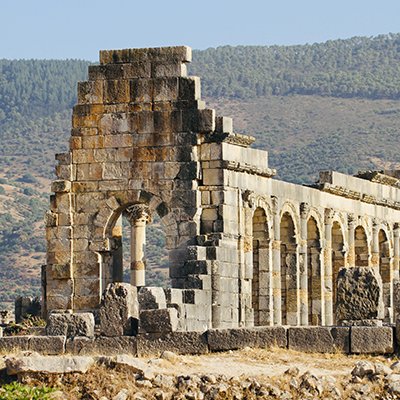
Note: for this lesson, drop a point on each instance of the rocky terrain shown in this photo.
(245, 374)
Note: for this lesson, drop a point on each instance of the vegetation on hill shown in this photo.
(357, 67)
(333, 105)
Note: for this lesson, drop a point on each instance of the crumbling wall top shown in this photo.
(159, 54)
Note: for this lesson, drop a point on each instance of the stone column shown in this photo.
(139, 216)
(351, 257)
(303, 265)
(276, 265)
(374, 259)
(117, 255)
(396, 251)
(327, 289)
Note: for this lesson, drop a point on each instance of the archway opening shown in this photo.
(361, 247)
(149, 253)
(314, 273)
(337, 259)
(289, 284)
(385, 271)
(261, 282)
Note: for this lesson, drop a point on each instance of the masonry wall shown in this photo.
(244, 247)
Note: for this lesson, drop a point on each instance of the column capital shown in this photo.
(329, 214)
(304, 210)
(351, 220)
(138, 212)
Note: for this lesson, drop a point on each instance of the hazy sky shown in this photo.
(79, 28)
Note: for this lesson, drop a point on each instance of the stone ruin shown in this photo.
(245, 249)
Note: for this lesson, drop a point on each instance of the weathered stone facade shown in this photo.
(245, 249)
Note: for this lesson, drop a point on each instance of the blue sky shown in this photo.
(79, 28)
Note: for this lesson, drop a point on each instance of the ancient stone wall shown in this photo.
(244, 248)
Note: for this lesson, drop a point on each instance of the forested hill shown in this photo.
(356, 67)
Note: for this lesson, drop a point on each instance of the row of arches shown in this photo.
(301, 278)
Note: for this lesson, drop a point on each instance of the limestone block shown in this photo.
(160, 54)
(224, 125)
(59, 271)
(47, 344)
(171, 69)
(61, 186)
(158, 321)
(48, 364)
(90, 92)
(178, 342)
(116, 91)
(238, 338)
(359, 294)
(119, 310)
(102, 345)
(70, 325)
(396, 297)
(372, 340)
(319, 339)
(165, 89)
(151, 298)
(141, 90)
(189, 88)
(14, 344)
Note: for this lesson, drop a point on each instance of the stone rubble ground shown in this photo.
(245, 374)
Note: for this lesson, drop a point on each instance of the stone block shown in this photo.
(238, 338)
(70, 325)
(372, 340)
(359, 294)
(90, 92)
(159, 321)
(14, 344)
(319, 339)
(25, 307)
(178, 342)
(102, 345)
(61, 186)
(47, 344)
(119, 310)
(151, 298)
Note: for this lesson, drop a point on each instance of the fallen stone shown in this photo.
(119, 310)
(382, 369)
(48, 364)
(151, 298)
(169, 356)
(359, 294)
(70, 325)
(319, 339)
(371, 340)
(121, 395)
(135, 365)
(159, 321)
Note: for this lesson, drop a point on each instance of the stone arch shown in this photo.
(262, 278)
(361, 247)
(110, 246)
(289, 270)
(338, 257)
(314, 273)
(385, 270)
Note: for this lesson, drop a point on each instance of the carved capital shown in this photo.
(138, 212)
(329, 214)
(275, 205)
(351, 220)
(304, 210)
(249, 197)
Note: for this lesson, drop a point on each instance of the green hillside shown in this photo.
(334, 105)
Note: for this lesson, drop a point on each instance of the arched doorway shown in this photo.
(314, 273)
(361, 247)
(337, 259)
(289, 278)
(261, 282)
(385, 271)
